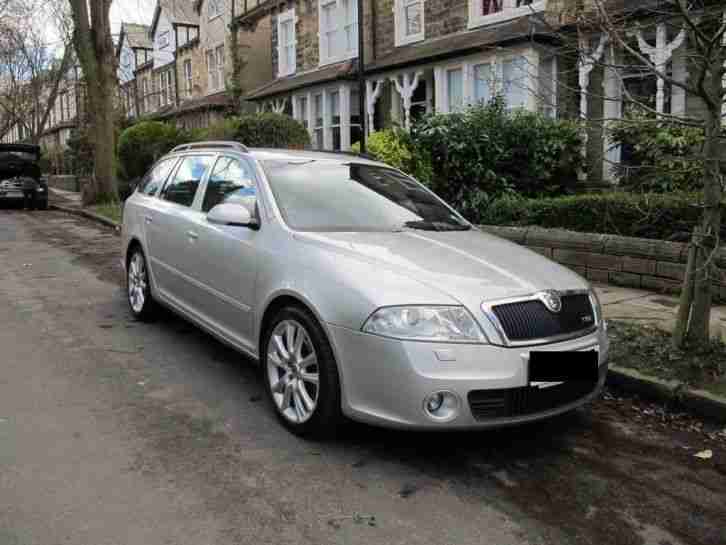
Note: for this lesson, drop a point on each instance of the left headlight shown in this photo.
(447, 324)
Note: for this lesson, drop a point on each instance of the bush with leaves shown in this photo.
(79, 153)
(264, 130)
(487, 151)
(396, 148)
(663, 155)
(142, 144)
(666, 216)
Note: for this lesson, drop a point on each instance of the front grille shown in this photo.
(512, 402)
(527, 320)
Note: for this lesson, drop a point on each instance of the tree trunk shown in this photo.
(92, 39)
(694, 314)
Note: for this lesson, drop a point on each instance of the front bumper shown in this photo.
(385, 381)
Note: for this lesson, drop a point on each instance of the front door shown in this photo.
(225, 262)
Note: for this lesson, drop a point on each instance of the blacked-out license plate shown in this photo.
(561, 366)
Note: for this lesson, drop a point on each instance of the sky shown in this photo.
(131, 11)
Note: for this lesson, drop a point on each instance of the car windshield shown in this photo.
(329, 196)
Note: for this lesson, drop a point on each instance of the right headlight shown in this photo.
(448, 324)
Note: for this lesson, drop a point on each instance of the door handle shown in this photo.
(148, 219)
(192, 235)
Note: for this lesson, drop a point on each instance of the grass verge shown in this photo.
(111, 210)
(648, 349)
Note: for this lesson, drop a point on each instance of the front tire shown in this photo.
(301, 375)
(138, 287)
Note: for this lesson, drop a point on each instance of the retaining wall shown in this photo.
(657, 265)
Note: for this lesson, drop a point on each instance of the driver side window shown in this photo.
(231, 180)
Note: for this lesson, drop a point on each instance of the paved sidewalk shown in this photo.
(65, 198)
(644, 306)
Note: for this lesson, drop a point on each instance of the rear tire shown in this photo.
(301, 375)
(138, 287)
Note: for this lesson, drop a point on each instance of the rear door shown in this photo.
(169, 231)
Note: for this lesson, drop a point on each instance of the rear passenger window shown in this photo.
(156, 176)
(230, 181)
(182, 186)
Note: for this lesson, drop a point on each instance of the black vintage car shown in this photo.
(19, 172)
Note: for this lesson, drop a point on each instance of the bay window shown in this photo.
(526, 81)
(331, 114)
(409, 15)
(338, 22)
(286, 43)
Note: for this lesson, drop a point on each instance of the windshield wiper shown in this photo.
(435, 226)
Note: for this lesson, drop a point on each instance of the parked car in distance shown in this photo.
(19, 172)
(360, 293)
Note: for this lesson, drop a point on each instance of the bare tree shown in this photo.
(608, 30)
(31, 70)
(95, 51)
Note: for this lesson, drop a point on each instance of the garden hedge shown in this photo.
(647, 215)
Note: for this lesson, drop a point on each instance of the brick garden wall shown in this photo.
(656, 265)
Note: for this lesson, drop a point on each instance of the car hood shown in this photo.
(470, 266)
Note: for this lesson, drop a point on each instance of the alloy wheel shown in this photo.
(137, 282)
(293, 371)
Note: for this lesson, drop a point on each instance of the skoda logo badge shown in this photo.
(551, 299)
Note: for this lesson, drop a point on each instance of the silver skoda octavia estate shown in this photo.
(360, 293)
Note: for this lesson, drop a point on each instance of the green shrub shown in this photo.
(265, 130)
(663, 156)
(79, 153)
(647, 215)
(395, 147)
(142, 144)
(487, 151)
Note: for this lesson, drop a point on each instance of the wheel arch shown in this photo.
(283, 298)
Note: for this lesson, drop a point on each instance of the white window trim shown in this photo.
(476, 19)
(399, 15)
(282, 18)
(340, 27)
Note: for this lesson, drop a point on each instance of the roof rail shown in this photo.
(211, 144)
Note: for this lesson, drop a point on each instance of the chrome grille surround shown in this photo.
(487, 308)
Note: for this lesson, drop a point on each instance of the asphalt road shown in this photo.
(114, 432)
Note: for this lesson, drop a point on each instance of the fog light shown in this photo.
(434, 402)
(441, 406)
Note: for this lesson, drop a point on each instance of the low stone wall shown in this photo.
(66, 182)
(658, 265)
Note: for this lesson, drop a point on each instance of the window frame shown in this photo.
(284, 18)
(208, 175)
(326, 55)
(188, 77)
(211, 15)
(401, 38)
(508, 11)
(215, 70)
(200, 186)
(532, 58)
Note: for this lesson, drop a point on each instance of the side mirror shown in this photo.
(232, 214)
